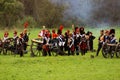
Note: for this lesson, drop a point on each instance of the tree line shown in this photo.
(43, 12)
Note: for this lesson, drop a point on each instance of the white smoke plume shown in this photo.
(80, 8)
(85, 10)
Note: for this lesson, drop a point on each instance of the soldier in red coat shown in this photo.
(42, 32)
(54, 34)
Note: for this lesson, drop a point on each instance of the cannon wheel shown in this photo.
(7, 44)
(105, 51)
(108, 50)
(112, 53)
(118, 51)
(36, 47)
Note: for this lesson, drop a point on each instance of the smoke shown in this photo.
(92, 12)
(82, 9)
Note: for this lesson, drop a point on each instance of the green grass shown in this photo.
(60, 67)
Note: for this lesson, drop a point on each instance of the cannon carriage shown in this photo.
(111, 50)
(111, 46)
(9, 46)
(38, 49)
(6, 45)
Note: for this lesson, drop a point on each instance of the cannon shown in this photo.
(110, 50)
(7, 45)
(37, 48)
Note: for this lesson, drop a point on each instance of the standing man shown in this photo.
(77, 38)
(70, 45)
(60, 38)
(26, 39)
(91, 39)
(20, 44)
(100, 42)
(15, 37)
(45, 47)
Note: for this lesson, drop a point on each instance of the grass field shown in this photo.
(60, 67)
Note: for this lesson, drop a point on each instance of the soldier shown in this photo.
(100, 42)
(83, 45)
(77, 38)
(15, 37)
(54, 38)
(91, 38)
(61, 43)
(67, 35)
(42, 33)
(54, 35)
(87, 37)
(6, 41)
(20, 45)
(45, 47)
(60, 38)
(70, 45)
(26, 39)
(6, 35)
(107, 36)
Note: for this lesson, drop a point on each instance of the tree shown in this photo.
(10, 11)
(44, 11)
(47, 13)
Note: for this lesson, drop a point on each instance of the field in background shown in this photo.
(60, 67)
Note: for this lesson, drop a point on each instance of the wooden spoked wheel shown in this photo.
(36, 47)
